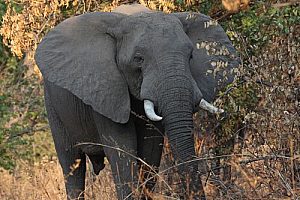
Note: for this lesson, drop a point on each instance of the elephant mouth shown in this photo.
(150, 112)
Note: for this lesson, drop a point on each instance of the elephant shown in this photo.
(105, 72)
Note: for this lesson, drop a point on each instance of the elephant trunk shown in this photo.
(176, 106)
(177, 109)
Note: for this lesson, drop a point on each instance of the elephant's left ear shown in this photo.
(214, 57)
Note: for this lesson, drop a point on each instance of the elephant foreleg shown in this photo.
(71, 159)
(119, 143)
(150, 145)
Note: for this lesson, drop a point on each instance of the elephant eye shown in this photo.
(191, 56)
(138, 59)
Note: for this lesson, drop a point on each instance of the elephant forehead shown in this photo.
(156, 21)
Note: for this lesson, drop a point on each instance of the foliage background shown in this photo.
(263, 108)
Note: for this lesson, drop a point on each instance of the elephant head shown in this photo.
(162, 59)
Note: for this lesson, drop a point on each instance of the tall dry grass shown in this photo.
(44, 180)
(265, 176)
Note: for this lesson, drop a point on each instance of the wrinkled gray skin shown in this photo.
(98, 67)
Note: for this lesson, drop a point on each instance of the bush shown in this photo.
(264, 104)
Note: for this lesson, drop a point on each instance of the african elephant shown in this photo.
(103, 71)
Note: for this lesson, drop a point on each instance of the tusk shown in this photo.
(209, 107)
(149, 110)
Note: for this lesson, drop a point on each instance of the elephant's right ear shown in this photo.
(79, 55)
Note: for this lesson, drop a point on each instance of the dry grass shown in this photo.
(265, 176)
(45, 180)
(41, 181)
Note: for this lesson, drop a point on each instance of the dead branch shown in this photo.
(29, 131)
(290, 3)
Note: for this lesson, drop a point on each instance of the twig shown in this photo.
(2, 66)
(29, 131)
(280, 5)
(246, 162)
(149, 123)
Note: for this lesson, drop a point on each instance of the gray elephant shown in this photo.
(103, 71)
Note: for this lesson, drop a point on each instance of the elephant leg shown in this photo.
(72, 160)
(150, 145)
(120, 144)
(97, 162)
(74, 175)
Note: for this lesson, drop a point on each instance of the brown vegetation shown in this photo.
(45, 180)
(264, 158)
